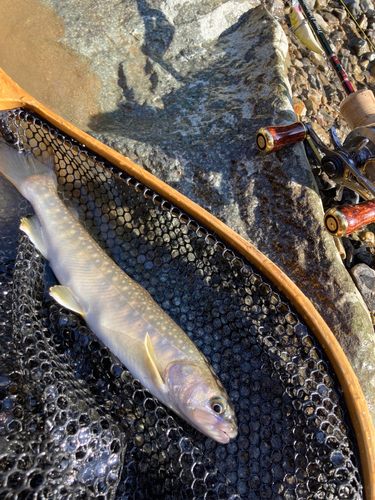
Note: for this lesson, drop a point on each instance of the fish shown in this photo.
(120, 312)
(302, 30)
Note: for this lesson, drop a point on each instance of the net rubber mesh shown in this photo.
(74, 424)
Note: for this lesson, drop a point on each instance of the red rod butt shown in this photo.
(270, 139)
(342, 221)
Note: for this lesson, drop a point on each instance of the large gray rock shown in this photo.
(364, 278)
(185, 85)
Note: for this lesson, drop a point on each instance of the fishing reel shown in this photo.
(350, 165)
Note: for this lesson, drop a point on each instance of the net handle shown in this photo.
(12, 96)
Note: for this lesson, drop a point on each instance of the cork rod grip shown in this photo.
(269, 139)
(342, 221)
(358, 109)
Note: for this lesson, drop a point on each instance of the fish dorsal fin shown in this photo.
(151, 362)
(64, 296)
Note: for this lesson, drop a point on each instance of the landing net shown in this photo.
(74, 424)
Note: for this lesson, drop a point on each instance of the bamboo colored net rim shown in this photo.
(12, 96)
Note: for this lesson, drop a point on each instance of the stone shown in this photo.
(366, 5)
(323, 25)
(321, 133)
(364, 278)
(310, 4)
(337, 37)
(184, 88)
(364, 64)
(356, 69)
(363, 255)
(325, 119)
(350, 252)
(345, 63)
(299, 107)
(318, 60)
(340, 14)
(299, 64)
(315, 96)
(359, 78)
(363, 22)
(275, 7)
(321, 4)
(331, 19)
(355, 10)
(360, 47)
(311, 105)
(300, 80)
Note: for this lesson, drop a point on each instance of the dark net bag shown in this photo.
(74, 424)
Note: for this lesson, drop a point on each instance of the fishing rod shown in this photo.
(331, 56)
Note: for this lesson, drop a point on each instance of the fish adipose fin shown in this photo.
(64, 296)
(31, 226)
(151, 362)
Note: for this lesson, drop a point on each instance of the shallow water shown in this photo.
(33, 56)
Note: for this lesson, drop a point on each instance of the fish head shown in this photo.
(198, 396)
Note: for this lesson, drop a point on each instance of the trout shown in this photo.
(119, 311)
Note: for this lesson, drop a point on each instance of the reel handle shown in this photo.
(269, 139)
(342, 221)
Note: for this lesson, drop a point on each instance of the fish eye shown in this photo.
(218, 405)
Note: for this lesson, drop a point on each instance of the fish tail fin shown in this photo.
(19, 167)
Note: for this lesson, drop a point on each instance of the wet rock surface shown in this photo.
(186, 85)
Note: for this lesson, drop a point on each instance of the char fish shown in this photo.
(118, 310)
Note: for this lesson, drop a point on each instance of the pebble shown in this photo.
(363, 255)
(364, 64)
(323, 25)
(367, 5)
(299, 107)
(363, 22)
(331, 19)
(360, 47)
(355, 10)
(340, 14)
(318, 61)
(370, 56)
(321, 133)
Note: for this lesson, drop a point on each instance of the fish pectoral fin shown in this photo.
(151, 362)
(31, 226)
(64, 296)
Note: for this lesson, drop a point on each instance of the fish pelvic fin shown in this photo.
(19, 167)
(151, 362)
(31, 226)
(64, 296)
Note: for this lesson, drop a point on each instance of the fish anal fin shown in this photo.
(151, 362)
(64, 296)
(31, 226)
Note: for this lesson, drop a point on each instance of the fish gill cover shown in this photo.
(74, 424)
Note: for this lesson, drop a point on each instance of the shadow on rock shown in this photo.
(201, 138)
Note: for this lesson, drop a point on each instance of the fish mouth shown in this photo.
(224, 436)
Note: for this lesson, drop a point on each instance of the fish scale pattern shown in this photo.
(295, 437)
